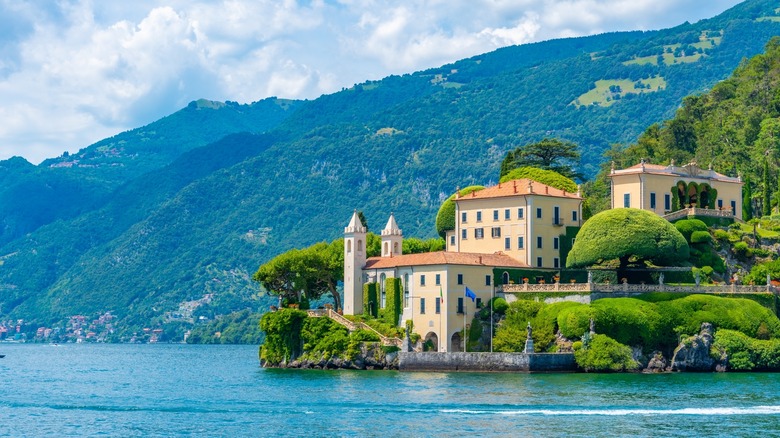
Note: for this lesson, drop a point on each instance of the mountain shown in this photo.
(186, 210)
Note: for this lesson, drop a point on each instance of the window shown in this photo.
(359, 245)
(384, 298)
(460, 278)
(349, 246)
(463, 217)
(627, 200)
(487, 280)
(382, 283)
(520, 242)
(495, 232)
(538, 241)
(538, 262)
(460, 305)
(479, 216)
(574, 216)
(557, 215)
(406, 282)
(507, 243)
(479, 303)
(734, 208)
(667, 202)
(438, 305)
(495, 215)
(438, 279)
(505, 278)
(464, 234)
(422, 280)
(556, 263)
(652, 201)
(520, 213)
(422, 306)
(479, 233)
(506, 214)
(538, 213)
(452, 240)
(555, 243)
(720, 203)
(406, 299)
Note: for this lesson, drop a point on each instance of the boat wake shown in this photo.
(720, 411)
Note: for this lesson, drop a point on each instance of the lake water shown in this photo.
(167, 390)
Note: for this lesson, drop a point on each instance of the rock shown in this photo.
(693, 354)
(657, 363)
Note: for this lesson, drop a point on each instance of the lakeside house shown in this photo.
(515, 232)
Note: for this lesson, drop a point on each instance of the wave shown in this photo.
(721, 411)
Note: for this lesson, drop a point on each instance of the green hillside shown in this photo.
(172, 214)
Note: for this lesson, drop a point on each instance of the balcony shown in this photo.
(557, 221)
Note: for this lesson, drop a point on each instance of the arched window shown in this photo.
(349, 246)
(505, 277)
(395, 248)
(360, 245)
(387, 251)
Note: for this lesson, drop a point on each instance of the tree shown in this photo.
(548, 177)
(747, 200)
(550, 154)
(629, 235)
(767, 192)
(314, 270)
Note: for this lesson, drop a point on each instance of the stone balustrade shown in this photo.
(695, 211)
(637, 288)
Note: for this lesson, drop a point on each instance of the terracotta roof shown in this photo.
(444, 258)
(518, 187)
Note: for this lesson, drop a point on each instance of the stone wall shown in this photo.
(487, 362)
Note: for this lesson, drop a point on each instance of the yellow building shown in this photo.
(522, 218)
(668, 189)
(512, 226)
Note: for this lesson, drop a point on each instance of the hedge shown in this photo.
(445, 218)
(544, 176)
(370, 300)
(393, 291)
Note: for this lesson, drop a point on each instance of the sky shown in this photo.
(73, 72)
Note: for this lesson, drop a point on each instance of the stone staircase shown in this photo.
(352, 326)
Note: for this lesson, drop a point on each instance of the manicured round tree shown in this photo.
(549, 177)
(629, 235)
(445, 219)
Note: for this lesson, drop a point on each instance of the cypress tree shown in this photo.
(747, 200)
(767, 201)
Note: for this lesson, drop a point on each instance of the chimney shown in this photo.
(546, 190)
(480, 260)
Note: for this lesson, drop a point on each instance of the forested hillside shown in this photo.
(169, 213)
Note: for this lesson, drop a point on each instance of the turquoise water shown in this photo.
(167, 390)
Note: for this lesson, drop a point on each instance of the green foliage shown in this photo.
(371, 299)
(282, 335)
(552, 154)
(746, 353)
(687, 227)
(759, 272)
(605, 354)
(701, 237)
(445, 218)
(629, 235)
(500, 305)
(413, 245)
(393, 294)
(549, 177)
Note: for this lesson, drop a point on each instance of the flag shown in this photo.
(470, 293)
(441, 294)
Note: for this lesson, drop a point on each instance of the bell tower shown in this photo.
(392, 239)
(354, 260)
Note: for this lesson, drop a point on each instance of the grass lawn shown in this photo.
(602, 96)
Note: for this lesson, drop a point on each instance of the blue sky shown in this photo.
(73, 72)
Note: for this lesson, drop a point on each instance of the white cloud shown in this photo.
(76, 71)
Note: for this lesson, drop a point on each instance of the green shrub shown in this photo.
(721, 235)
(500, 305)
(370, 300)
(548, 177)
(746, 353)
(605, 354)
(742, 250)
(576, 345)
(759, 272)
(687, 227)
(282, 335)
(701, 237)
(393, 291)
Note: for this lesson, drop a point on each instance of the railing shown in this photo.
(352, 326)
(637, 288)
(558, 222)
(695, 211)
